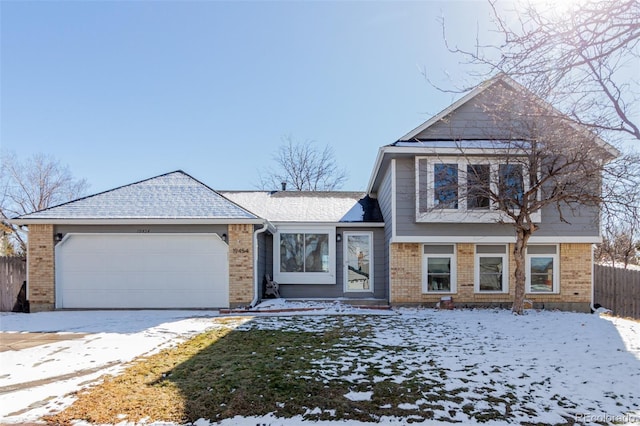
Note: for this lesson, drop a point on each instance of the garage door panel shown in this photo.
(142, 271)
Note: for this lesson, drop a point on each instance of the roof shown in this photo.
(174, 195)
(415, 138)
(505, 81)
(309, 206)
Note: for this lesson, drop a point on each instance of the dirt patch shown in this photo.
(18, 341)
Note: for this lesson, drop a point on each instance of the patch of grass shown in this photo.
(286, 366)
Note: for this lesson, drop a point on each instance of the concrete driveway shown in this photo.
(44, 357)
(18, 341)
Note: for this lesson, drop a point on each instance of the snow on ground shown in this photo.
(116, 337)
(540, 366)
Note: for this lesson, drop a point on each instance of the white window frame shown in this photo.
(345, 238)
(556, 269)
(462, 214)
(505, 269)
(425, 264)
(305, 277)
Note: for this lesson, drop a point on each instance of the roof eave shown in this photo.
(376, 169)
(137, 221)
(300, 224)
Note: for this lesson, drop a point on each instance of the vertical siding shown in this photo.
(618, 289)
(385, 194)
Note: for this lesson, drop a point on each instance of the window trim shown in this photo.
(462, 213)
(305, 277)
(425, 259)
(556, 269)
(505, 269)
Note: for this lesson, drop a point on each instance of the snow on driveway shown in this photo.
(33, 380)
(551, 365)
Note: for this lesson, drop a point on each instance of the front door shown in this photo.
(358, 261)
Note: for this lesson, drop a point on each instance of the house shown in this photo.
(418, 233)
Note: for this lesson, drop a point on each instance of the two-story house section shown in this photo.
(445, 236)
(431, 224)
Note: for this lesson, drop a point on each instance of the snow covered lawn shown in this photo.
(463, 366)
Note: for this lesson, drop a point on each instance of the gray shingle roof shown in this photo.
(308, 206)
(174, 195)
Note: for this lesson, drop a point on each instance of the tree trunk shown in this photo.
(522, 238)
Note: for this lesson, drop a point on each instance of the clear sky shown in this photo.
(123, 91)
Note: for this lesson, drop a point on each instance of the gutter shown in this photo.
(267, 226)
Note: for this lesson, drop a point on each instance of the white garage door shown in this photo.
(142, 271)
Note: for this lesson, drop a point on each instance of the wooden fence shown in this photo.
(13, 273)
(617, 289)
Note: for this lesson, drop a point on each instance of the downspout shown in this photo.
(256, 280)
(593, 270)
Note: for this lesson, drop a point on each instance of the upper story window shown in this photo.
(445, 182)
(511, 184)
(478, 186)
(460, 189)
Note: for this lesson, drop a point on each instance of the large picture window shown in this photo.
(542, 269)
(491, 269)
(304, 252)
(438, 269)
(304, 256)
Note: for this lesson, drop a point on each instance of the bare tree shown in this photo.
(35, 184)
(584, 60)
(542, 160)
(621, 216)
(303, 166)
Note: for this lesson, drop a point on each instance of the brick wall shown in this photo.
(240, 265)
(406, 279)
(41, 268)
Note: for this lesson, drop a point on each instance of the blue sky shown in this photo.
(123, 91)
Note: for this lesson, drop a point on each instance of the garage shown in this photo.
(129, 271)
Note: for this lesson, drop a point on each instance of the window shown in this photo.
(463, 189)
(304, 253)
(445, 183)
(478, 186)
(491, 269)
(438, 269)
(304, 256)
(542, 269)
(511, 185)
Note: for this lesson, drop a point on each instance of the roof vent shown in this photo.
(284, 185)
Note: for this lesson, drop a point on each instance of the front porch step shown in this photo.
(310, 304)
(352, 301)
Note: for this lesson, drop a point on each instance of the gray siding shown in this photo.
(385, 194)
(583, 221)
(331, 291)
(472, 120)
